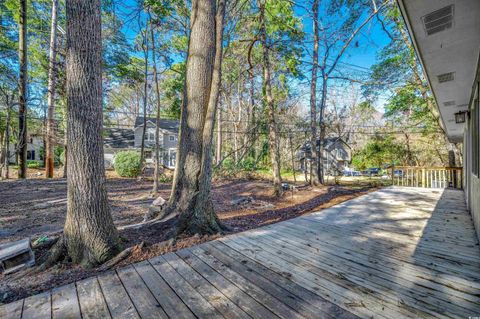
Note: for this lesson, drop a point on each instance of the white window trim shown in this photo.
(170, 150)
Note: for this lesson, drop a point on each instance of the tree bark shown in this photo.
(252, 119)
(190, 196)
(22, 108)
(268, 98)
(145, 91)
(292, 155)
(157, 126)
(315, 178)
(90, 237)
(6, 159)
(219, 137)
(322, 126)
(52, 72)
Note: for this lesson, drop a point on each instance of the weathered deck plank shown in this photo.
(394, 253)
(116, 297)
(145, 303)
(167, 298)
(65, 303)
(194, 300)
(38, 306)
(92, 303)
(218, 300)
(12, 310)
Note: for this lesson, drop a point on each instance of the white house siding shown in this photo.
(34, 149)
(472, 160)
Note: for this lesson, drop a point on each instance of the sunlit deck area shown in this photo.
(394, 253)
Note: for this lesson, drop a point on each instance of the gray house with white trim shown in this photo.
(336, 155)
(121, 139)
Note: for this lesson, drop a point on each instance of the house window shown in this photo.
(30, 155)
(171, 137)
(150, 136)
(172, 156)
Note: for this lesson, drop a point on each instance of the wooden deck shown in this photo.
(394, 253)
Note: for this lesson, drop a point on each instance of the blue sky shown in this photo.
(370, 41)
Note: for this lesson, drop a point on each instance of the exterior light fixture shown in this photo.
(460, 117)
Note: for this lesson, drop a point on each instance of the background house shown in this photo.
(35, 149)
(336, 156)
(116, 140)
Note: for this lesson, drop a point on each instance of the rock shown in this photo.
(159, 202)
(41, 205)
(241, 200)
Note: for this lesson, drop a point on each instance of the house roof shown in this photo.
(118, 138)
(328, 143)
(169, 125)
(445, 36)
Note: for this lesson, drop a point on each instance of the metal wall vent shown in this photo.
(446, 77)
(439, 20)
(449, 103)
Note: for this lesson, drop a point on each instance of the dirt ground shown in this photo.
(36, 207)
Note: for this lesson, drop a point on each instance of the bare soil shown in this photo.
(36, 207)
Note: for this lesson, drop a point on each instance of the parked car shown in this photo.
(351, 173)
(398, 173)
(373, 171)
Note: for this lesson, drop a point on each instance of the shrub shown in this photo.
(127, 164)
(59, 156)
(33, 164)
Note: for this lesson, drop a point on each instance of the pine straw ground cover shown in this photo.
(36, 208)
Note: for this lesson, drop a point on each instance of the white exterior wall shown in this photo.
(471, 181)
(36, 146)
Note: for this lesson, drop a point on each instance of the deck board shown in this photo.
(183, 288)
(65, 303)
(167, 298)
(145, 302)
(395, 253)
(218, 300)
(91, 300)
(116, 297)
(37, 306)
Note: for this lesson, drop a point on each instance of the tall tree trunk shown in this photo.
(6, 159)
(190, 196)
(52, 73)
(322, 126)
(315, 178)
(219, 137)
(157, 126)
(22, 107)
(268, 98)
(145, 91)
(292, 154)
(410, 161)
(252, 130)
(90, 236)
(65, 142)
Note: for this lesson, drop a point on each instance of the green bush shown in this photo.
(59, 156)
(33, 164)
(127, 164)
